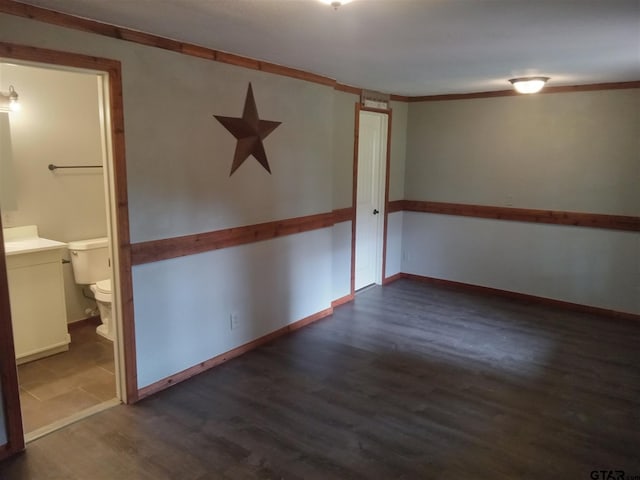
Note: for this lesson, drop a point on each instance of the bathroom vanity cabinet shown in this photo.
(36, 293)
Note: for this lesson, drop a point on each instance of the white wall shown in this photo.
(341, 260)
(179, 184)
(343, 143)
(396, 186)
(344, 114)
(58, 123)
(563, 151)
(399, 129)
(395, 223)
(178, 163)
(587, 266)
(571, 151)
(179, 156)
(183, 305)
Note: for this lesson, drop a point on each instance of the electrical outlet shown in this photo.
(234, 321)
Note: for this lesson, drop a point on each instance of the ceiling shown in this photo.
(406, 47)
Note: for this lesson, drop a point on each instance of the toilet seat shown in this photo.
(104, 286)
(102, 290)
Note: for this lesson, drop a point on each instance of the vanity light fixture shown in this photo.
(335, 3)
(528, 84)
(9, 101)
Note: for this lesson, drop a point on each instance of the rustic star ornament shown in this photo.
(250, 131)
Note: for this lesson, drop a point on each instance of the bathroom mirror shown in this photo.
(8, 197)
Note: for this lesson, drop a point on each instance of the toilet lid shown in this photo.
(104, 286)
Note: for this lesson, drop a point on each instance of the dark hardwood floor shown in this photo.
(410, 381)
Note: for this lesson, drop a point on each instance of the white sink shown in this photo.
(18, 240)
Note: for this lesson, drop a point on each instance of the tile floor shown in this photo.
(56, 387)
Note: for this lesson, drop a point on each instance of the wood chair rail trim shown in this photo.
(553, 217)
(164, 249)
(590, 87)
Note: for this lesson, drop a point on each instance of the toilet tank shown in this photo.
(90, 260)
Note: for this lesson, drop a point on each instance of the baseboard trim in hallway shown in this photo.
(343, 300)
(468, 287)
(392, 278)
(224, 357)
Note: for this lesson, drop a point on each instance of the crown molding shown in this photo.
(512, 93)
(53, 17)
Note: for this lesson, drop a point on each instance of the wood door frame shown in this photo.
(115, 118)
(354, 192)
(8, 372)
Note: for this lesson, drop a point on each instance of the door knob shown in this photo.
(375, 211)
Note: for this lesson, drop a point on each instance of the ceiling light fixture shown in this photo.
(528, 84)
(335, 3)
(9, 101)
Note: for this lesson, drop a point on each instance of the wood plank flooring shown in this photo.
(410, 381)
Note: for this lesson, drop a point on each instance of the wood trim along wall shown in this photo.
(399, 98)
(521, 297)
(354, 195)
(236, 352)
(392, 278)
(164, 249)
(77, 23)
(125, 277)
(116, 115)
(8, 373)
(554, 217)
(344, 215)
(52, 17)
(358, 91)
(396, 206)
(512, 93)
(343, 300)
(348, 89)
(387, 176)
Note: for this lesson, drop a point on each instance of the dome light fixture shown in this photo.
(528, 84)
(335, 3)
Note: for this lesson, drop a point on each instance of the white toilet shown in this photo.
(91, 266)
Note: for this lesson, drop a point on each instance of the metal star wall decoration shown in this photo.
(250, 132)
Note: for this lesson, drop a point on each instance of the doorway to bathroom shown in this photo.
(66, 370)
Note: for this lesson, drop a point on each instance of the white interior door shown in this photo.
(372, 154)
